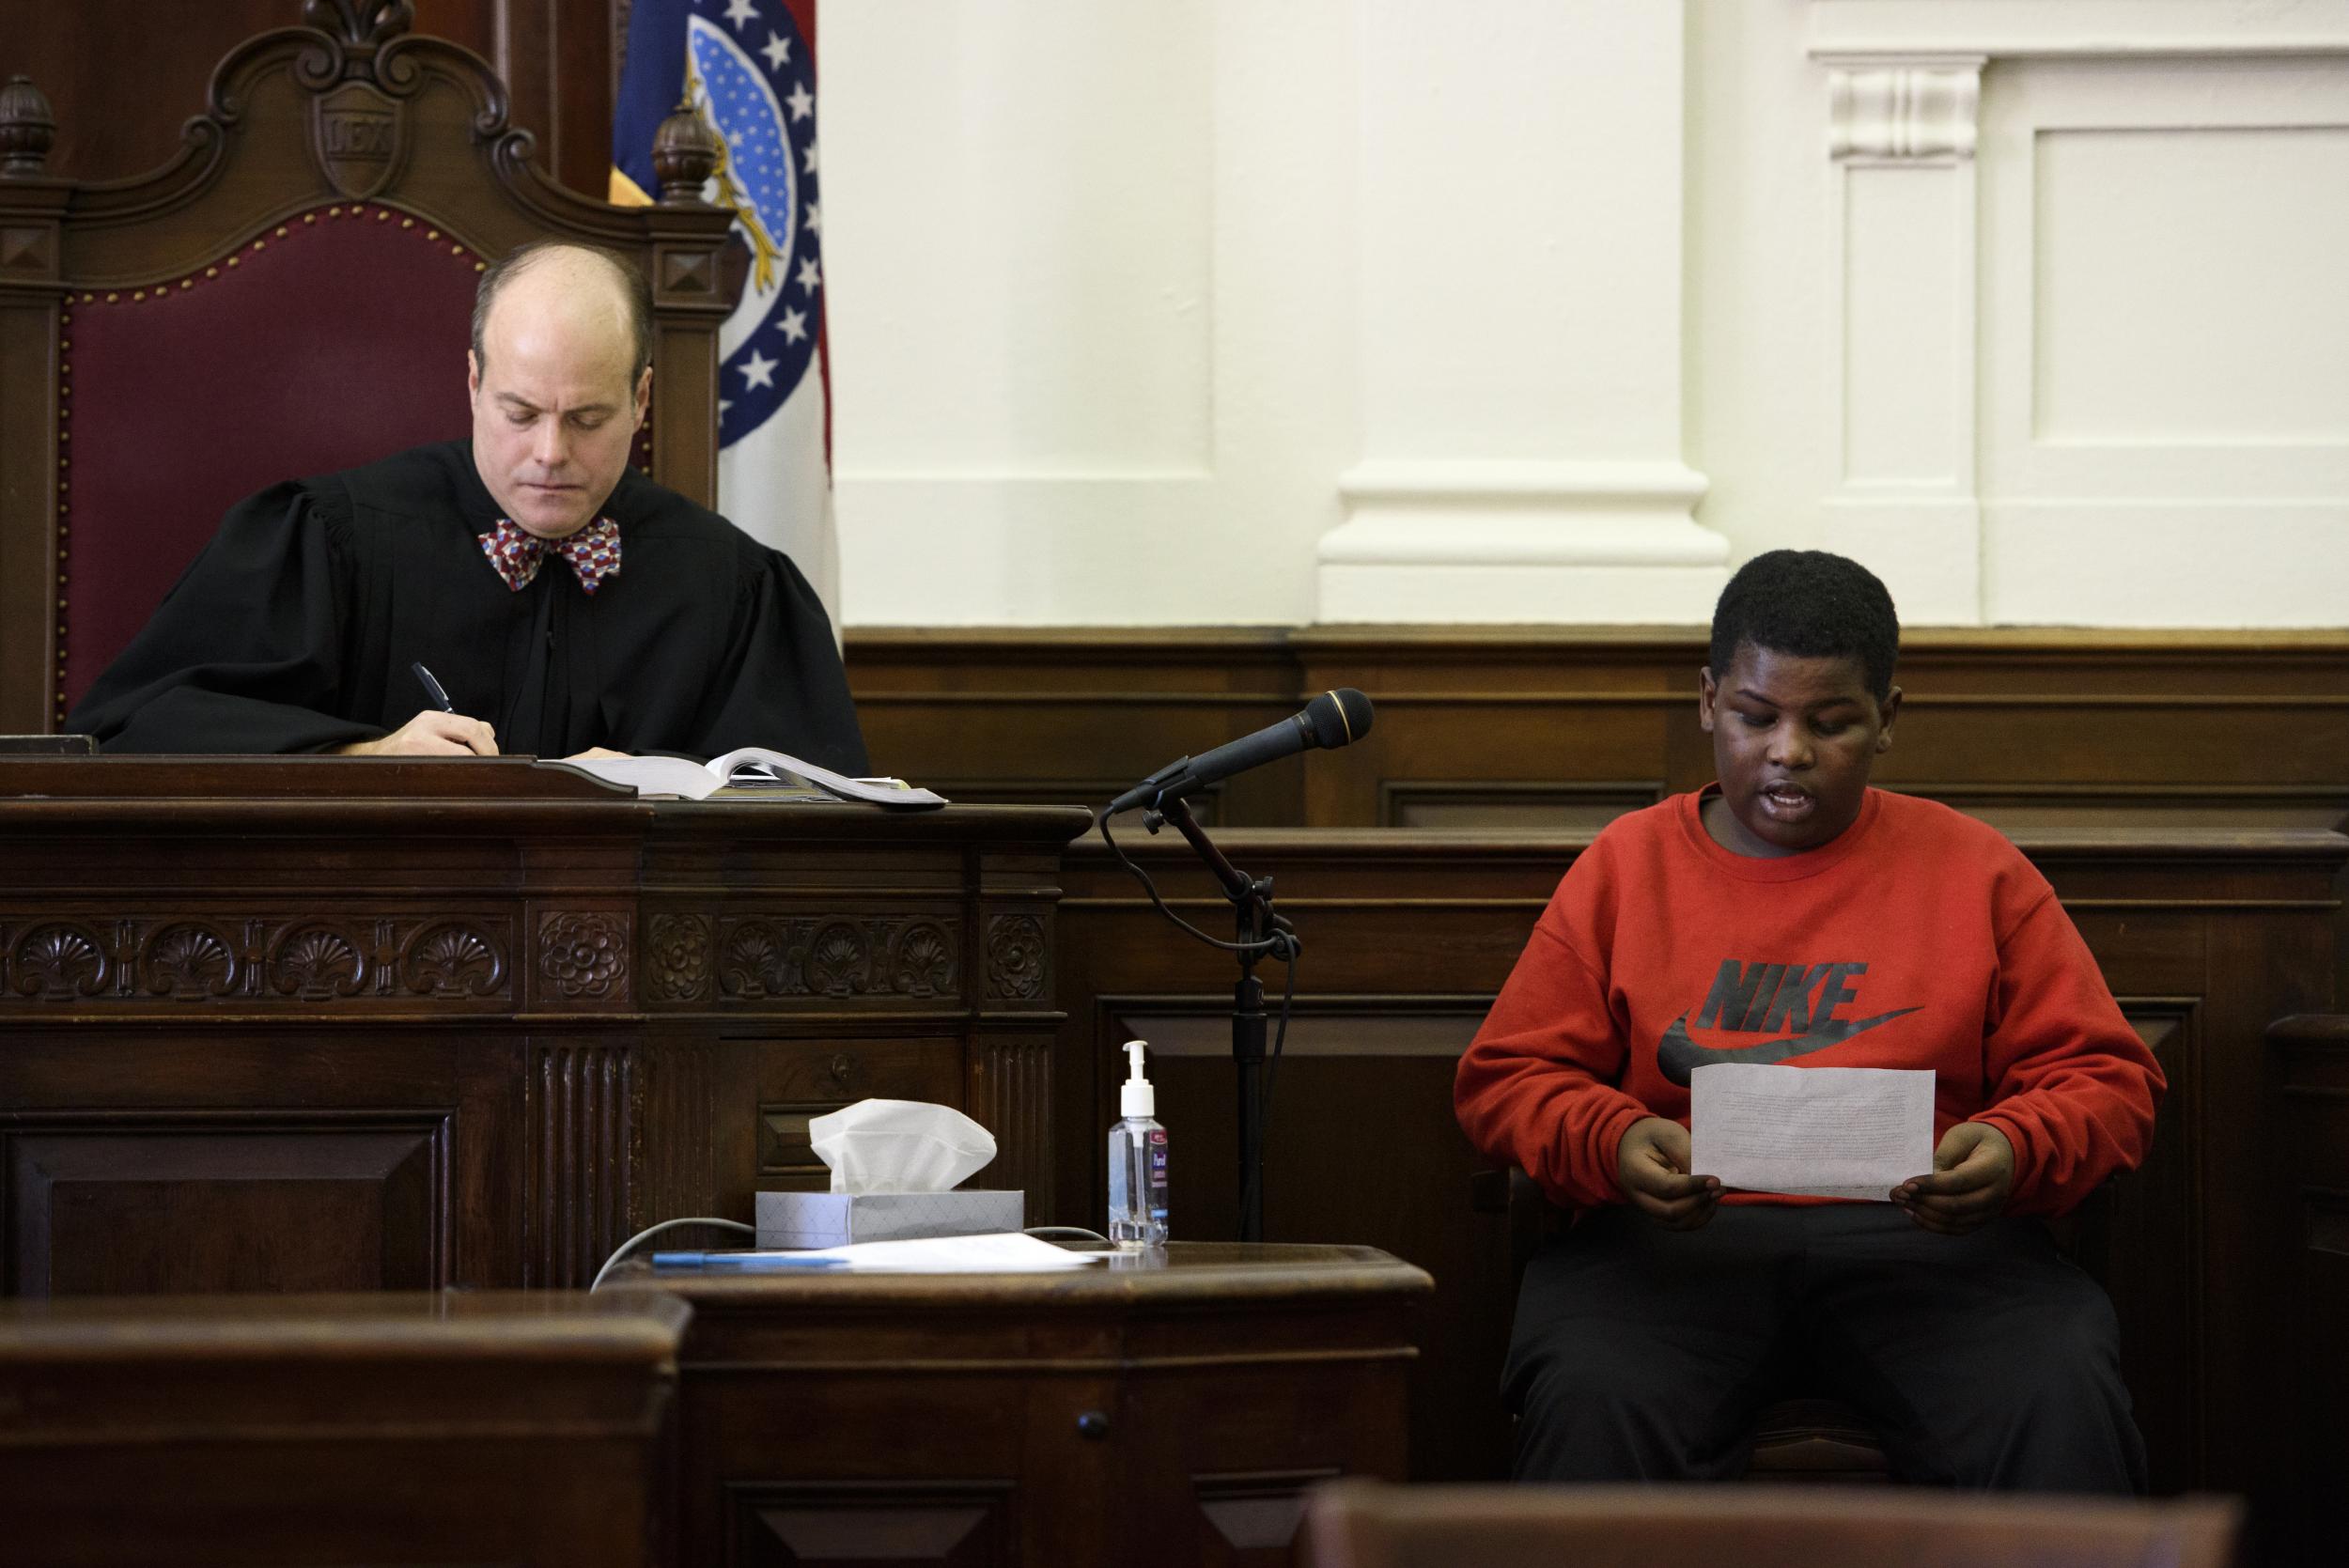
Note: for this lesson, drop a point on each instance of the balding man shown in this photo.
(565, 603)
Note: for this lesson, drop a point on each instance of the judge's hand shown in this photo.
(1973, 1172)
(1651, 1168)
(431, 733)
(595, 753)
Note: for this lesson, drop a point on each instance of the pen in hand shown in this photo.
(432, 688)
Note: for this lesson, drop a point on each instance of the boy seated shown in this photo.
(1791, 914)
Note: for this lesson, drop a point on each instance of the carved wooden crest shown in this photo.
(359, 136)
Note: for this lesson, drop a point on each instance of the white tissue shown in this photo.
(899, 1146)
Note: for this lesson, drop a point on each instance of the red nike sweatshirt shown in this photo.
(1920, 937)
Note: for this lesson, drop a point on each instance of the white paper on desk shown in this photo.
(1005, 1253)
(1827, 1132)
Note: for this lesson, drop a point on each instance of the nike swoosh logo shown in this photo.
(1677, 1055)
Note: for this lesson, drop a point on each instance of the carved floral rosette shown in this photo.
(1018, 958)
(584, 956)
(676, 958)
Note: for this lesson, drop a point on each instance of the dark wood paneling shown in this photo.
(125, 1204)
(124, 76)
(265, 1432)
(349, 1023)
(2315, 1055)
(1168, 1407)
(1557, 730)
(2204, 936)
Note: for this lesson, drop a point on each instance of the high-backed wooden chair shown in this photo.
(1363, 1524)
(291, 294)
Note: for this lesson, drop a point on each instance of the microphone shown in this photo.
(1331, 720)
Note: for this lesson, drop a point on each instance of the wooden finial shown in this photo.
(685, 154)
(27, 128)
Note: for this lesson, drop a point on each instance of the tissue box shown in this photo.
(838, 1218)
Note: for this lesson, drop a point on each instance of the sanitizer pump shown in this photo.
(1137, 1163)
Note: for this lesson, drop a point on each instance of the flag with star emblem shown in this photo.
(748, 67)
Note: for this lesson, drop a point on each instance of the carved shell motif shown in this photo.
(452, 960)
(757, 962)
(838, 962)
(585, 955)
(923, 963)
(187, 960)
(315, 962)
(1015, 957)
(59, 962)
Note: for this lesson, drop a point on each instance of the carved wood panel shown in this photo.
(759, 960)
(129, 1204)
(580, 1129)
(213, 960)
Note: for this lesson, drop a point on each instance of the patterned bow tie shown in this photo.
(594, 553)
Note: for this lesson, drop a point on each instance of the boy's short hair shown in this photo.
(1813, 604)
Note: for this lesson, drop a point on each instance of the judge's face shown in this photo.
(552, 408)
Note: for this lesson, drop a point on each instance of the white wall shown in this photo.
(1194, 312)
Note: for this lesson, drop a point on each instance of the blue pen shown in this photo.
(747, 1263)
(432, 688)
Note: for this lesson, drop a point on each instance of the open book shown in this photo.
(753, 770)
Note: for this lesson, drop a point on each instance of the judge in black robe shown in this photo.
(296, 629)
(302, 625)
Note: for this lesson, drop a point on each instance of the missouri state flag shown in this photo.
(748, 67)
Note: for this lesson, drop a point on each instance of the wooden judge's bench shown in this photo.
(327, 1024)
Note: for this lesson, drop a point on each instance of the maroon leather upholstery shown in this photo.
(332, 339)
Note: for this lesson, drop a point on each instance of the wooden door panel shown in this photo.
(228, 1201)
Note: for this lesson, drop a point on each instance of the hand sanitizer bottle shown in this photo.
(1137, 1164)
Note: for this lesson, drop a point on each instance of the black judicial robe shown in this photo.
(294, 631)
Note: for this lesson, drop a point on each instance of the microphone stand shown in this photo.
(1252, 900)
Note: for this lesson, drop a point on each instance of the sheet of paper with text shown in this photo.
(1827, 1132)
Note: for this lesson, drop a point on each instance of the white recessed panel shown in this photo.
(2188, 286)
(1903, 262)
(2185, 563)
(1017, 225)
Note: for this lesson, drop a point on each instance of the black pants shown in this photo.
(1983, 1360)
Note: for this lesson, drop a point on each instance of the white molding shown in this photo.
(1904, 109)
(1521, 541)
(1901, 371)
(1853, 30)
(1561, 485)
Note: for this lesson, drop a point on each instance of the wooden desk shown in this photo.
(261, 1431)
(322, 1023)
(1166, 1414)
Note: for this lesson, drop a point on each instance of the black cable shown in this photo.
(1281, 944)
